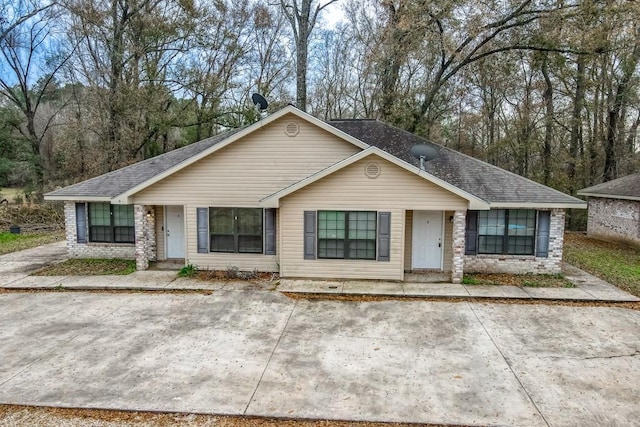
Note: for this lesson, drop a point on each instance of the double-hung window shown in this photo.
(237, 230)
(347, 234)
(111, 223)
(507, 231)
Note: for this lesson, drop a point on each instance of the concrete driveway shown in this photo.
(260, 353)
(20, 264)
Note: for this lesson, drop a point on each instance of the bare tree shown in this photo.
(32, 58)
(19, 12)
(128, 49)
(302, 15)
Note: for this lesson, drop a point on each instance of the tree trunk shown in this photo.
(548, 122)
(115, 58)
(575, 140)
(614, 117)
(301, 72)
(391, 62)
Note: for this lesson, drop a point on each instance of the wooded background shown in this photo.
(546, 89)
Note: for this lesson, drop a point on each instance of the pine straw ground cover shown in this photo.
(89, 267)
(527, 280)
(13, 415)
(613, 262)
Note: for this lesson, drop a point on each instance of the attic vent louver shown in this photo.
(372, 170)
(291, 129)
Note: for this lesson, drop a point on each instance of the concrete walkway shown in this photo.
(587, 288)
(16, 269)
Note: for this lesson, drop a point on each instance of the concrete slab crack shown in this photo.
(509, 365)
(270, 357)
(615, 356)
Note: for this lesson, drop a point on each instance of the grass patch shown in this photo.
(10, 242)
(469, 280)
(613, 262)
(89, 267)
(521, 280)
(188, 270)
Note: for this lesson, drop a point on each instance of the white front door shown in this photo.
(426, 249)
(174, 231)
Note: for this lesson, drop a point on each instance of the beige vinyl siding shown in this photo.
(249, 169)
(242, 174)
(408, 241)
(160, 241)
(350, 189)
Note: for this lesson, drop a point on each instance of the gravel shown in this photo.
(18, 416)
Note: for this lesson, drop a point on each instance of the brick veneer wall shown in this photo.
(91, 250)
(457, 264)
(145, 223)
(616, 219)
(518, 264)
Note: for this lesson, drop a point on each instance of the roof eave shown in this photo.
(535, 205)
(608, 196)
(77, 198)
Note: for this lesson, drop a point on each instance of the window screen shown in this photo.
(347, 235)
(503, 231)
(111, 223)
(236, 230)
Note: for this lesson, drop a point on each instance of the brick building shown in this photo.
(614, 209)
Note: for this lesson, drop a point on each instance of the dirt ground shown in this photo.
(11, 416)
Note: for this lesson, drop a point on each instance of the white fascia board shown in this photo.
(516, 205)
(120, 200)
(259, 124)
(77, 198)
(609, 196)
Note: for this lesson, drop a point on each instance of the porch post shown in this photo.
(145, 229)
(459, 225)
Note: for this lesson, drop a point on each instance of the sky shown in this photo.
(333, 14)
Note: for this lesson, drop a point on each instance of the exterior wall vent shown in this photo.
(291, 129)
(372, 170)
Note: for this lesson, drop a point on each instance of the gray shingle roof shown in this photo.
(117, 182)
(622, 188)
(488, 182)
(481, 179)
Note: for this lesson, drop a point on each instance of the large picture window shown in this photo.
(235, 230)
(111, 223)
(347, 234)
(507, 231)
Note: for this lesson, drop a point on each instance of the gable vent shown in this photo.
(372, 170)
(291, 129)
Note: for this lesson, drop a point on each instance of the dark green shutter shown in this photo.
(309, 234)
(471, 234)
(269, 231)
(384, 236)
(81, 222)
(542, 234)
(203, 230)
